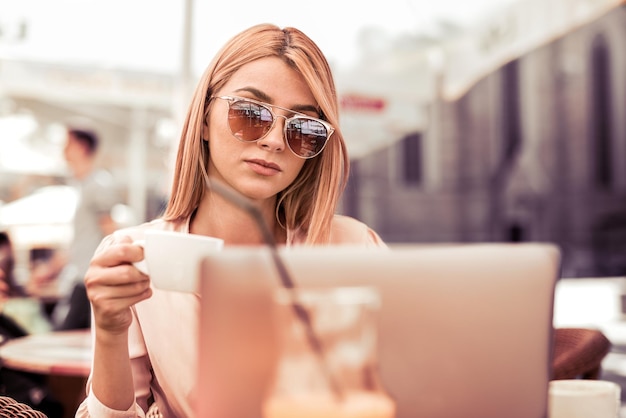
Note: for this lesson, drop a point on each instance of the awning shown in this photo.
(523, 26)
(42, 218)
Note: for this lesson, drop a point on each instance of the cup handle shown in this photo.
(141, 265)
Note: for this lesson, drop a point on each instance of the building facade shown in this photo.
(533, 151)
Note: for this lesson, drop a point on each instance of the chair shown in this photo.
(10, 408)
(578, 353)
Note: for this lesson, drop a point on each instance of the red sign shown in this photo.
(362, 103)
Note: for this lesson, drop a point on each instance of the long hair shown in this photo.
(309, 203)
(7, 262)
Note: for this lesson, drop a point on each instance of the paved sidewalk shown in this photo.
(597, 303)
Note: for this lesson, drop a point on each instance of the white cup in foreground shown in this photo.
(577, 398)
(172, 259)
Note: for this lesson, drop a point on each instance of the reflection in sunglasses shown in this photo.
(250, 121)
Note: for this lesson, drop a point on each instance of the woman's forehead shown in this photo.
(277, 82)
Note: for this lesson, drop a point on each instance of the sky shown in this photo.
(147, 34)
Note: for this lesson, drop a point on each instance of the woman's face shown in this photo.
(263, 168)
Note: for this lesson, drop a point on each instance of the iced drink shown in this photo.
(352, 405)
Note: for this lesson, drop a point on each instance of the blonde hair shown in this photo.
(309, 203)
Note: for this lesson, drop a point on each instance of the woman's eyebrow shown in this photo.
(306, 108)
(257, 93)
(264, 97)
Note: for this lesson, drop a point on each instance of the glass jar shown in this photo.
(327, 364)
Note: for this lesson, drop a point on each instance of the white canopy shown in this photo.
(41, 218)
(510, 33)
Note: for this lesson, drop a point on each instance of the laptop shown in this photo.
(465, 331)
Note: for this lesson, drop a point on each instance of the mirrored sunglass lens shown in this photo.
(249, 121)
(306, 137)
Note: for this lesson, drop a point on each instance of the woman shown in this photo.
(264, 121)
(8, 286)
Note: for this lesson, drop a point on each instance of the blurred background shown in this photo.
(467, 121)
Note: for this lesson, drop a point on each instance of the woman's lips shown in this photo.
(263, 168)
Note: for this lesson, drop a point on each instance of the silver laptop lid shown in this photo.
(464, 330)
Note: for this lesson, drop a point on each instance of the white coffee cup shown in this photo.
(172, 259)
(578, 398)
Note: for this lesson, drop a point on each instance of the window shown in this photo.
(412, 158)
(511, 128)
(601, 113)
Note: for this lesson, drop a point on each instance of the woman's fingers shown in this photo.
(117, 281)
(113, 284)
(121, 252)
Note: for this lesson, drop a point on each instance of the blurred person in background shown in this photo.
(27, 388)
(92, 222)
(8, 285)
(16, 305)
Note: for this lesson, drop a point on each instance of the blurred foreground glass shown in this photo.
(345, 321)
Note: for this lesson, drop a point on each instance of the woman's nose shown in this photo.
(275, 139)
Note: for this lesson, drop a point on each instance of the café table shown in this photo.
(63, 356)
(65, 353)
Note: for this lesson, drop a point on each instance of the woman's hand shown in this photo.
(113, 285)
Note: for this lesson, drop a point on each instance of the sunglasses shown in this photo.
(250, 120)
